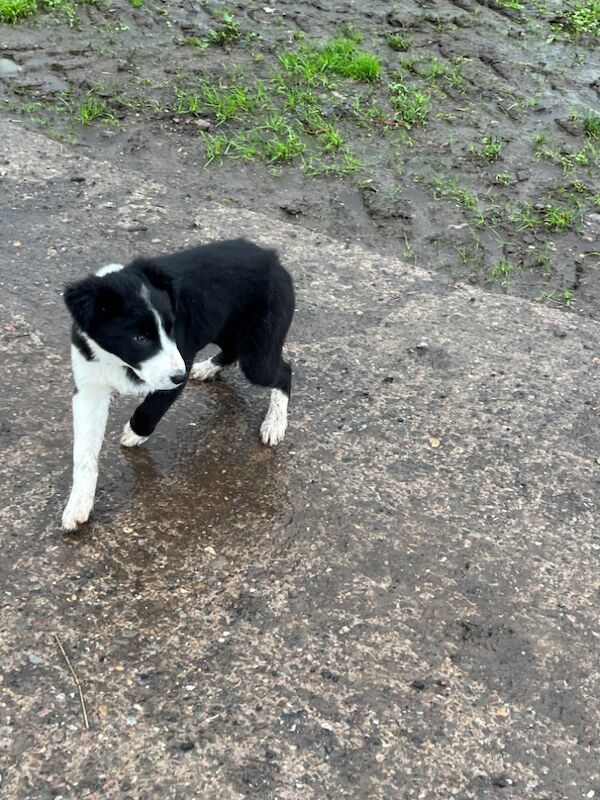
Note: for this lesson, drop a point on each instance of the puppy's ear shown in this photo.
(160, 279)
(90, 300)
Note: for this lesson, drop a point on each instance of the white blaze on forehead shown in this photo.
(108, 269)
(168, 360)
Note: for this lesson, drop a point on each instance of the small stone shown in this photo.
(418, 684)
(572, 126)
(202, 124)
(35, 659)
(9, 68)
(388, 379)
(293, 208)
(186, 746)
(132, 226)
(434, 441)
(422, 347)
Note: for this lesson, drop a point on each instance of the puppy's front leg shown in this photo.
(147, 416)
(90, 413)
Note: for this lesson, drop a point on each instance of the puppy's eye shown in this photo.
(141, 339)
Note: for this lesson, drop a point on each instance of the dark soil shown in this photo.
(524, 220)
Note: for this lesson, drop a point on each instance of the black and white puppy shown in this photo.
(137, 329)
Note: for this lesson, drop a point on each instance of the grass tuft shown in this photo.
(14, 10)
(591, 125)
(584, 18)
(341, 56)
(398, 42)
(559, 218)
(502, 271)
(228, 31)
(490, 148)
(411, 105)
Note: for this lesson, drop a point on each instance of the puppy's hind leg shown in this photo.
(208, 369)
(274, 426)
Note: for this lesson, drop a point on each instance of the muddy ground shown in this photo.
(398, 603)
(497, 184)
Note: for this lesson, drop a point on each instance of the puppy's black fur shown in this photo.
(234, 294)
(137, 329)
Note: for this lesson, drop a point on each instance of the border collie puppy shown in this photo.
(137, 329)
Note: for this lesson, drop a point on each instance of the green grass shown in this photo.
(504, 179)
(435, 68)
(398, 42)
(224, 102)
(503, 271)
(591, 125)
(489, 148)
(227, 103)
(226, 33)
(411, 105)
(14, 10)
(93, 108)
(569, 161)
(331, 138)
(450, 188)
(341, 56)
(284, 145)
(525, 216)
(217, 146)
(565, 298)
(368, 111)
(194, 41)
(346, 164)
(186, 102)
(584, 18)
(276, 141)
(559, 218)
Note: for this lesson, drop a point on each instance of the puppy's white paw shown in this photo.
(274, 426)
(77, 512)
(204, 370)
(273, 429)
(131, 439)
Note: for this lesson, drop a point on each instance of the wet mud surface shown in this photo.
(498, 185)
(399, 602)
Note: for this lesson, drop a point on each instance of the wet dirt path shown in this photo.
(401, 601)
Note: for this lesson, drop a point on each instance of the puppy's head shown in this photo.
(129, 315)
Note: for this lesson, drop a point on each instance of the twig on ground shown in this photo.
(77, 682)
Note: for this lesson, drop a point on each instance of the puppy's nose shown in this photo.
(178, 377)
